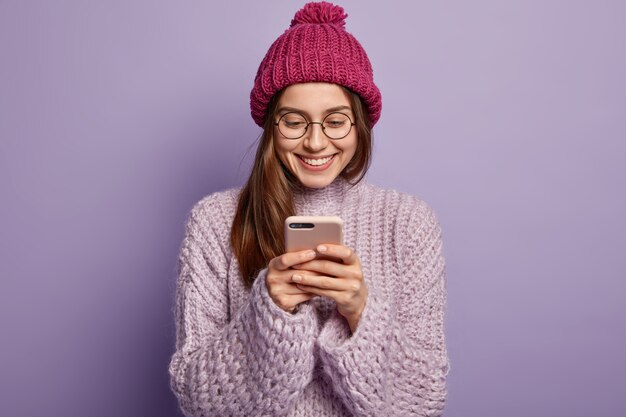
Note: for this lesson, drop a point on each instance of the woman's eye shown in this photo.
(294, 123)
(335, 123)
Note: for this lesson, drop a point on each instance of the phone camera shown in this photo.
(301, 225)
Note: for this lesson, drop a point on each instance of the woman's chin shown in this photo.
(316, 181)
(316, 177)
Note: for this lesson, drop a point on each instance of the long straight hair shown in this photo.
(266, 199)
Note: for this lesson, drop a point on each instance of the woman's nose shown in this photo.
(315, 139)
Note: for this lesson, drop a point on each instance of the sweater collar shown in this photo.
(324, 201)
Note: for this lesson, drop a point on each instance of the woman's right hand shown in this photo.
(280, 286)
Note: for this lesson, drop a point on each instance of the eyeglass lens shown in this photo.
(294, 125)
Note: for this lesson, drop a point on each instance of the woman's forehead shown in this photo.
(314, 97)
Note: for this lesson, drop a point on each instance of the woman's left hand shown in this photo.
(342, 282)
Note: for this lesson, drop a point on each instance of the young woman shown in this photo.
(264, 332)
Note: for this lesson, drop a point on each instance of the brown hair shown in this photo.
(267, 198)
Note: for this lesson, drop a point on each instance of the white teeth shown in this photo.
(317, 162)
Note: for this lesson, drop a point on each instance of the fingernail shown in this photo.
(322, 248)
(310, 254)
(296, 278)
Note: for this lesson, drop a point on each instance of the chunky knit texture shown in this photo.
(239, 354)
(316, 47)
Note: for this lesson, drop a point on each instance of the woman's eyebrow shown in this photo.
(330, 110)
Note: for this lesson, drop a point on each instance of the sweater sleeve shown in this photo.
(396, 363)
(255, 363)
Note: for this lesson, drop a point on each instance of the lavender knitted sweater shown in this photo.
(239, 354)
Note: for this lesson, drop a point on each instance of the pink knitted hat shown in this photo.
(316, 47)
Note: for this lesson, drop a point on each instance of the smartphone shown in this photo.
(307, 232)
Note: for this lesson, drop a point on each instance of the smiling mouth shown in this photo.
(316, 162)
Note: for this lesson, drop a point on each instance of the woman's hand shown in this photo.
(342, 282)
(283, 291)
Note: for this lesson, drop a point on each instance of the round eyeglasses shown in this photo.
(293, 125)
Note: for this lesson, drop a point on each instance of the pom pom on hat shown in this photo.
(315, 48)
(322, 12)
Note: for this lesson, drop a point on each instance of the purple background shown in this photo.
(507, 117)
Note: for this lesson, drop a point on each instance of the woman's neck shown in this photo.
(323, 201)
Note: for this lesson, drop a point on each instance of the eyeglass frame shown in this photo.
(314, 123)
